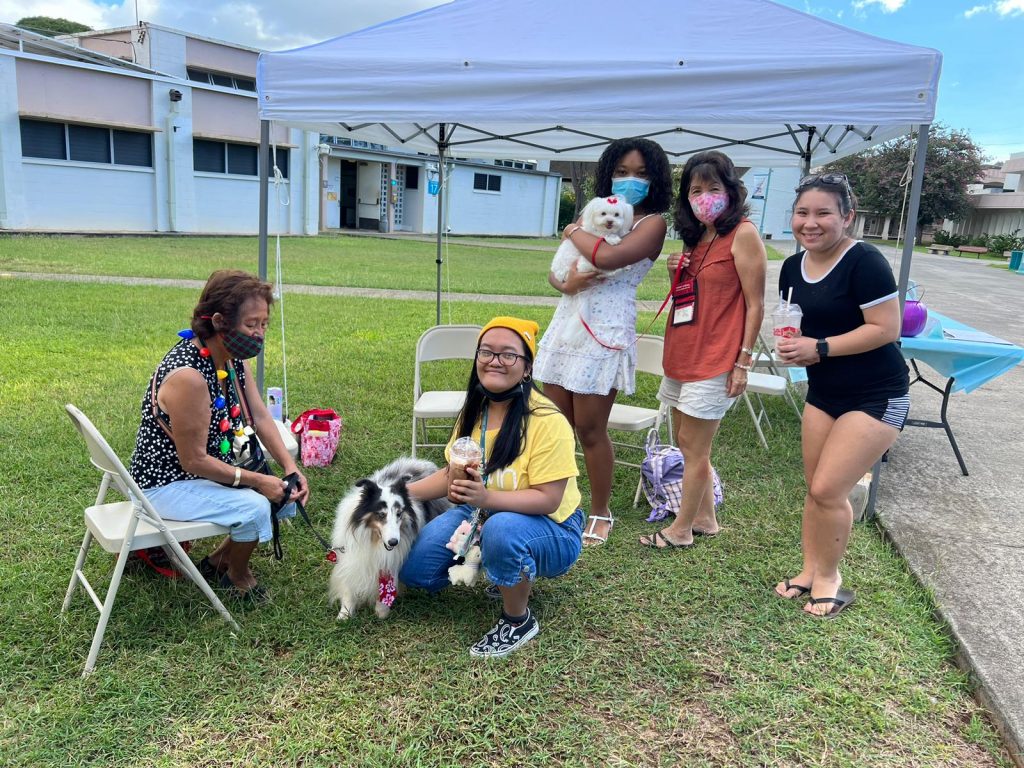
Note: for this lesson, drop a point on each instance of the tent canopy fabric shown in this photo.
(540, 79)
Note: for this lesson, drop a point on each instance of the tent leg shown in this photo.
(441, 146)
(915, 205)
(264, 170)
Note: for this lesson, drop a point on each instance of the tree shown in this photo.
(50, 26)
(953, 161)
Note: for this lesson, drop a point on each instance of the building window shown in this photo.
(229, 157)
(412, 177)
(222, 79)
(521, 164)
(486, 182)
(86, 143)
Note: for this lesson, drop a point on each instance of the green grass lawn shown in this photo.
(644, 659)
(362, 262)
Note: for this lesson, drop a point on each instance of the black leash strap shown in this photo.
(292, 481)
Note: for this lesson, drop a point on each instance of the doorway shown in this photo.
(347, 195)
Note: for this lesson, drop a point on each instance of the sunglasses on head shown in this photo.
(834, 179)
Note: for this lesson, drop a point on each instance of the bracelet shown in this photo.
(574, 230)
(741, 366)
(746, 351)
(238, 477)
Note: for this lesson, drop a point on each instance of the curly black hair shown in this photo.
(708, 166)
(659, 172)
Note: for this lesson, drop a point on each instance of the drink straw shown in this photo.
(789, 298)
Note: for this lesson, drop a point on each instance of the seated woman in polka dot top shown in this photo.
(197, 413)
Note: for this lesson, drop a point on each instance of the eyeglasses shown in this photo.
(832, 179)
(505, 358)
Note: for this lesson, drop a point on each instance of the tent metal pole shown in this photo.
(441, 146)
(908, 249)
(915, 206)
(264, 169)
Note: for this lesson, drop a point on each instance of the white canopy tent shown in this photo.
(535, 79)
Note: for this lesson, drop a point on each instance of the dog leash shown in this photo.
(292, 485)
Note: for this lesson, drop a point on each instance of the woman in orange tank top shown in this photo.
(718, 288)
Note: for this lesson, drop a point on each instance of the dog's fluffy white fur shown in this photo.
(375, 526)
(607, 217)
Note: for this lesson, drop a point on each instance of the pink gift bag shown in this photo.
(320, 430)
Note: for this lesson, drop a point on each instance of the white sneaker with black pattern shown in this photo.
(505, 637)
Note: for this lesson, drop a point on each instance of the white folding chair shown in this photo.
(124, 527)
(762, 384)
(764, 357)
(442, 342)
(634, 418)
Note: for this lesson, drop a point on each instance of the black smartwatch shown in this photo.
(822, 347)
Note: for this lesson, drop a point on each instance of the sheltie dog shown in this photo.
(375, 526)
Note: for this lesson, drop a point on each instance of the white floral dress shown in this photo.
(589, 368)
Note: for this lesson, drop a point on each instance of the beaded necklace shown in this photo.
(230, 418)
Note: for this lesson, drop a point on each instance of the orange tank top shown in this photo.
(709, 346)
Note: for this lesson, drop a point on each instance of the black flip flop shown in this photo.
(843, 599)
(209, 571)
(654, 538)
(790, 585)
(255, 595)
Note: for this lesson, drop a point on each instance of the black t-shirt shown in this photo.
(834, 305)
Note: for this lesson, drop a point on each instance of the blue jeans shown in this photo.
(245, 512)
(511, 545)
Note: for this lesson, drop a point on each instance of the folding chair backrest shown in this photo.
(445, 342)
(649, 352)
(101, 454)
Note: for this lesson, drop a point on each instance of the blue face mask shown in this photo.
(630, 188)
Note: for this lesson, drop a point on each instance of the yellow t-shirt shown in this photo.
(549, 454)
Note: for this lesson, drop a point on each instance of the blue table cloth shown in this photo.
(969, 363)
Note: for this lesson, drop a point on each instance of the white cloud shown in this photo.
(269, 24)
(1002, 7)
(888, 6)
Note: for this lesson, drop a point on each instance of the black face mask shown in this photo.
(500, 397)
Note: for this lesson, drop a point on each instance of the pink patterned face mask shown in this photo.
(708, 206)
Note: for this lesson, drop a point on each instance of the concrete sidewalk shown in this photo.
(963, 537)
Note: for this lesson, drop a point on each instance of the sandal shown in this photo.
(843, 599)
(589, 533)
(790, 585)
(651, 542)
(254, 595)
(209, 571)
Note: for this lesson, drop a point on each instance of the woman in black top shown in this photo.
(857, 398)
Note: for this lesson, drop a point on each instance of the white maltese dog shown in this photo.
(607, 217)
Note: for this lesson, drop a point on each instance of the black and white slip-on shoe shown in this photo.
(504, 638)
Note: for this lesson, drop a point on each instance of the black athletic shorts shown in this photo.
(892, 411)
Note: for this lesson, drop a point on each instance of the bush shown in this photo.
(566, 209)
(942, 237)
(1008, 241)
(981, 241)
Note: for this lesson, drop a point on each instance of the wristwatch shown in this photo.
(822, 347)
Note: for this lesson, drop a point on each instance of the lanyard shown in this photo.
(702, 260)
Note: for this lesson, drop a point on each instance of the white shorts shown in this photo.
(705, 399)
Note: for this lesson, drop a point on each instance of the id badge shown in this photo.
(684, 302)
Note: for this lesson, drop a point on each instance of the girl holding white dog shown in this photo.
(583, 379)
(525, 488)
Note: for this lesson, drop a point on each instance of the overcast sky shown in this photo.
(981, 90)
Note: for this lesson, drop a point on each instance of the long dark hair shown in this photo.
(511, 437)
(708, 166)
(659, 173)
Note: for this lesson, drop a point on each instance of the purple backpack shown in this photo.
(661, 475)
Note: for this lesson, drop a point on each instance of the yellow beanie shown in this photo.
(527, 329)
